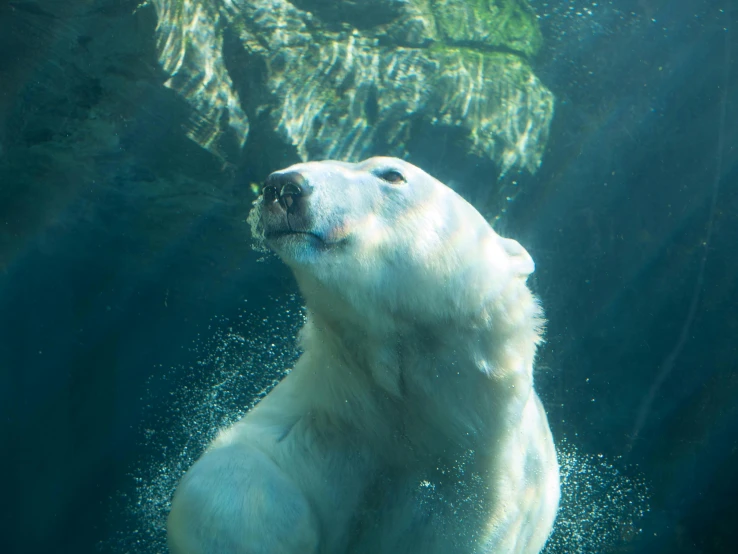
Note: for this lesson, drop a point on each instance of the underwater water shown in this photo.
(136, 320)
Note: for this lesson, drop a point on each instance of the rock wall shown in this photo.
(349, 81)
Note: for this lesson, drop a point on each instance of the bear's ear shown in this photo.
(520, 261)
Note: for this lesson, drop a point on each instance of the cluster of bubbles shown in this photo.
(237, 364)
(573, 27)
(579, 19)
(601, 505)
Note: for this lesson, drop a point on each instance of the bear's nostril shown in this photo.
(271, 193)
(289, 194)
(291, 189)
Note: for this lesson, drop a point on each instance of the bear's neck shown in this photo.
(377, 375)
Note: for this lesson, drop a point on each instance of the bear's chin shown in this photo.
(301, 247)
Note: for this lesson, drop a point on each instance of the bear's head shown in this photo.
(383, 235)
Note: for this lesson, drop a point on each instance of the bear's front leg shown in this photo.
(236, 500)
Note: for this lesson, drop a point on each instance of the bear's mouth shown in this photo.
(290, 232)
(314, 239)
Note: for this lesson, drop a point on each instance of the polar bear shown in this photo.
(409, 425)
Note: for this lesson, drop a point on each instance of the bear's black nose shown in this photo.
(288, 189)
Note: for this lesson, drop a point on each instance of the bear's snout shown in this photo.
(286, 204)
(286, 190)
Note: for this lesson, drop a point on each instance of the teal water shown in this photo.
(135, 319)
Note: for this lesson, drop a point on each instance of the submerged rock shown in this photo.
(351, 79)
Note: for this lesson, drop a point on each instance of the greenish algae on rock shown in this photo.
(496, 24)
(345, 83)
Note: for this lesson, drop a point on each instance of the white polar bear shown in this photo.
(409, 425)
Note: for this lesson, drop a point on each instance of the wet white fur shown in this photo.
(410, 424)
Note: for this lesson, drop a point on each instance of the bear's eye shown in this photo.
(391, 176)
